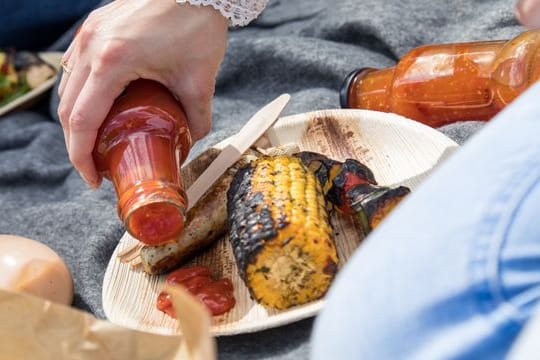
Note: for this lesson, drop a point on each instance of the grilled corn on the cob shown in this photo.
(280, 232)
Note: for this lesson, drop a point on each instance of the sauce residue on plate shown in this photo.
(216, 295)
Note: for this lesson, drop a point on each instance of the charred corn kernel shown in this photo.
(280, 232)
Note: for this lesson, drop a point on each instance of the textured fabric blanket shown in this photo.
(303, 47)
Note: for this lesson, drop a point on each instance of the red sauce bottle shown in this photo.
(441, 84)
(140, 147)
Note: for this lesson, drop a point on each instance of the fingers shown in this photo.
(90, 109)
(528, 13)
(74, 84)
(87, 91)
(63, 81)
(66, 60)
(199, 118)
(61, 87)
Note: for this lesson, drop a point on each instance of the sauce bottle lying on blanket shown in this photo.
(140, 147)
(441, 84)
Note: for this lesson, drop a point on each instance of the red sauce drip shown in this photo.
(216, 295)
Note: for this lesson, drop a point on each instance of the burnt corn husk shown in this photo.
(280, 232)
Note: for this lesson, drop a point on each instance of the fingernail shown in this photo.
(518, 10)
(90, 183)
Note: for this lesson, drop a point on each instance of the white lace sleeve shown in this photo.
(238, 12)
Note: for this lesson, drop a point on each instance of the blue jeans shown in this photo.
(454, 271)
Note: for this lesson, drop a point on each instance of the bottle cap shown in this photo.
(346, 85)
(154, 212)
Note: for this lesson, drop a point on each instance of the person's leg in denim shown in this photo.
(454, 272)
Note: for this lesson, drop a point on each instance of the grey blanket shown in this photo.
(303, 47)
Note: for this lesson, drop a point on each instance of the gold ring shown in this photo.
(65, 66)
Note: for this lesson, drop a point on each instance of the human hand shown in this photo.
(180, 46)
(528, 13)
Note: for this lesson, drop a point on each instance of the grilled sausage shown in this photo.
(206, 222)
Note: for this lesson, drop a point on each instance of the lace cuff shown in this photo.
(238, 12)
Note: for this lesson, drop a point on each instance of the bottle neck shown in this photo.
(153, 212)
(145, 171)
(370, 89)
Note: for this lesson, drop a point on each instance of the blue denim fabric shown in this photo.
(527, 345)
(454, 272)
(36, 24)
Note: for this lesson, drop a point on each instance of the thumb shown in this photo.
(528, 13)
(196, 98)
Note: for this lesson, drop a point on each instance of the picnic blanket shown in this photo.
(302, 47)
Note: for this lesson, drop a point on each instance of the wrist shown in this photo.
(207, 16)
(236, 12)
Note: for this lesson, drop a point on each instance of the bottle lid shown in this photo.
(153, 212)
(345, 86)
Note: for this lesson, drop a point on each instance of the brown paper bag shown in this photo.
(33, 328)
